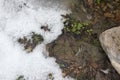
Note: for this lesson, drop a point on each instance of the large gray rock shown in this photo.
(110, 41)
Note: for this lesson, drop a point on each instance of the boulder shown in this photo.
(75, 57)
(110, 41)
(68, 49)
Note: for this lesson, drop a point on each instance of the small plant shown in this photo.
(89, 31)
(37, 38)
(21, 77)
(51, 76)
(74, 26)
(61, 65)
(98, 1)
(30, 44)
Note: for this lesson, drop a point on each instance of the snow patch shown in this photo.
(18, 18)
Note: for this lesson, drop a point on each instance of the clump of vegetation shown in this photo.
(30, 44)
(36, 38)
(50, 76)
(74, 26)
(21, 77)
(89, 31)
(98, 1)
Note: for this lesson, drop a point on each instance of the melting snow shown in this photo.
(19, 18)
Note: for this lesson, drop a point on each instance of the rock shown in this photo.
(110, 41)
(109, 15)
(67, 48)
(74, 56)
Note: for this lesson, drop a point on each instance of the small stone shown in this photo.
(105, 71)
(110, 15)
(45, 28)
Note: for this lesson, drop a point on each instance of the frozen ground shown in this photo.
(19, 18)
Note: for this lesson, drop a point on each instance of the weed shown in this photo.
(98, 1)
(21, 77)
(74, 26)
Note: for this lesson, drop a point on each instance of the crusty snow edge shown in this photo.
(18, 20)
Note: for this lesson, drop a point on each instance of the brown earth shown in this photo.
(81, 56)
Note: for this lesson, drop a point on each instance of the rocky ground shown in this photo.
(78, 51)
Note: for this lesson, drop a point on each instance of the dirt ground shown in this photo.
(81, 56)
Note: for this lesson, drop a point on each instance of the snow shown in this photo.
(16, 22)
